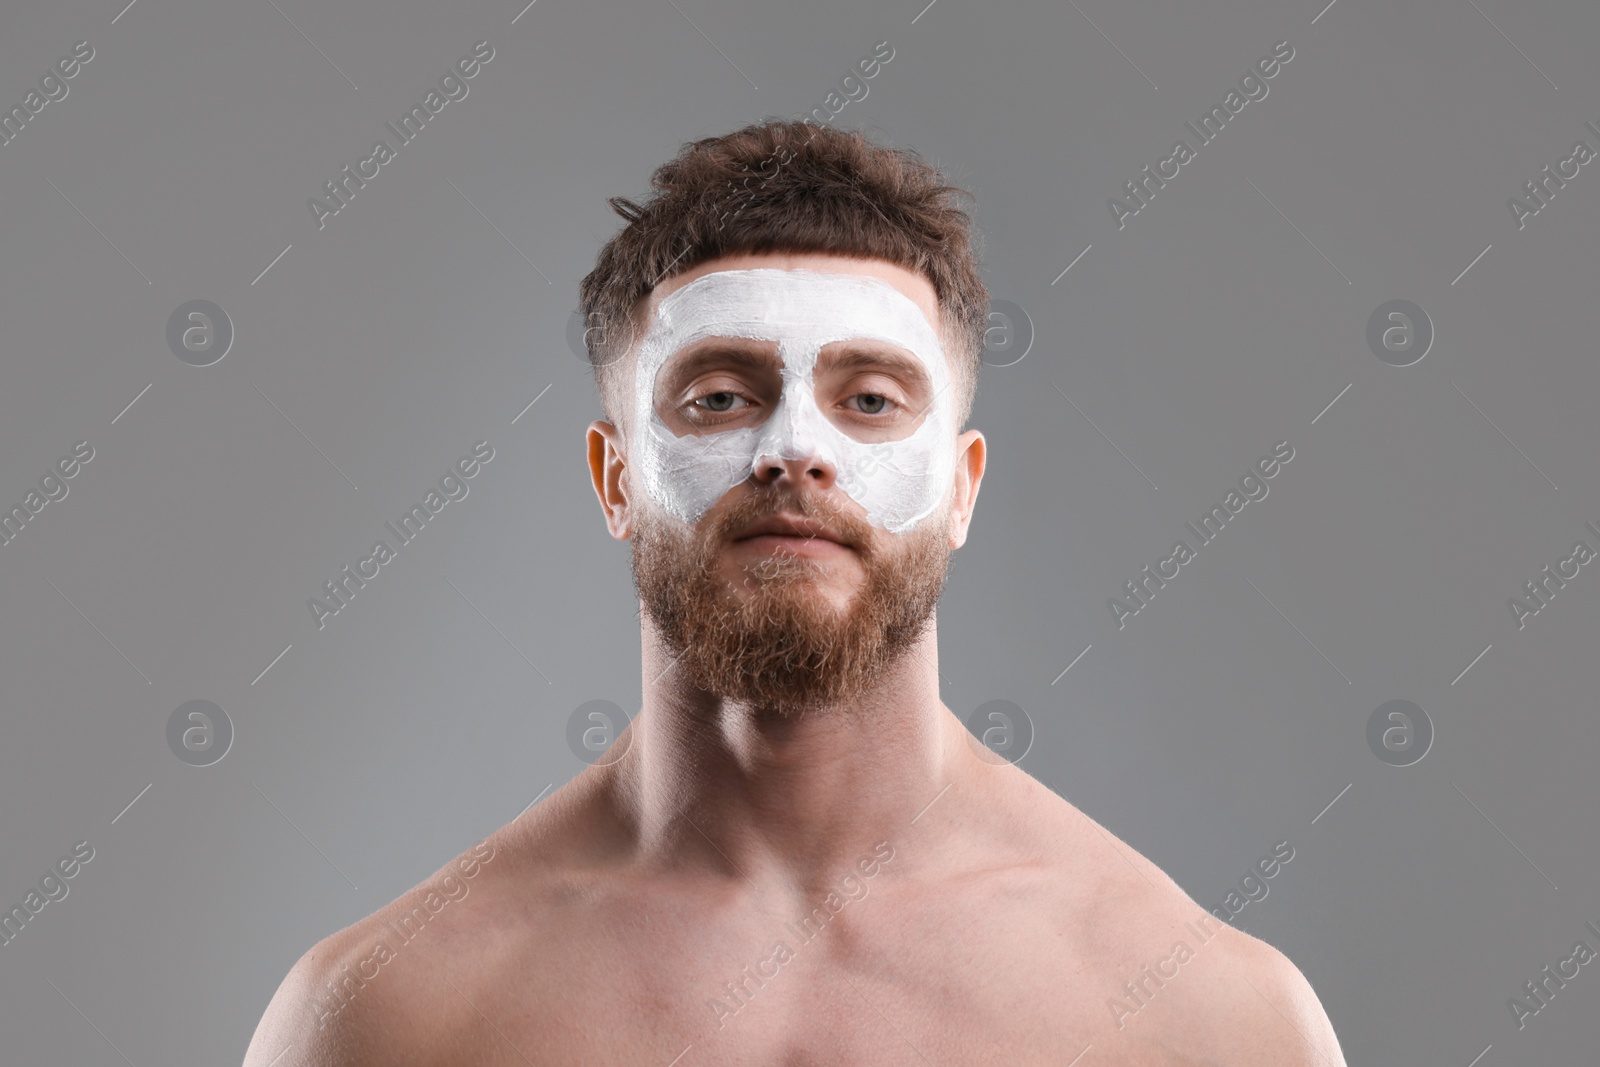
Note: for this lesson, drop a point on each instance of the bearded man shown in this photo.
(795, 853)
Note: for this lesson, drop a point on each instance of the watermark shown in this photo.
(453, 86)
(1137, 993)
(745, 196)
(52, 887)
(852, 476)
(1538, 192)
(52, 487)
(1252, 487)
(999, 731)
(452, 486)
(1253, 886)
(869, 66)
(199, 332)
(341, 989)
(1540, 591)
(1252, 86)
(1539, 990)
(1399, 333)
(754, 977)
(1009, 335)
(52, 87)
(1399, 733)
(199, 733)
(581, 330)
(591, 729)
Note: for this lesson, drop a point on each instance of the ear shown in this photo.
(970, 459)
(608, 459)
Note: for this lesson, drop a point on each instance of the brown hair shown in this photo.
(786, 185)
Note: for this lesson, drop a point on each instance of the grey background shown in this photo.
(1220, 320)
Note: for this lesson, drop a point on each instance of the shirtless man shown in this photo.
(795, 854)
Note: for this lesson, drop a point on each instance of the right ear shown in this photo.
(608, 460)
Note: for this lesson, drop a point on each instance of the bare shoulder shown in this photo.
(1182, 981)
(373, 993)
(1272, 1010)
(297, 1030)
(1169, 978)
(406, 986)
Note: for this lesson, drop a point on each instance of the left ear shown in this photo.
(970, 459)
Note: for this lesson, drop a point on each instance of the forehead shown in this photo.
(916, 287)
(805, 306)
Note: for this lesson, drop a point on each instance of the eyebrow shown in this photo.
(761, 354)
(860, 355)
(749, 353)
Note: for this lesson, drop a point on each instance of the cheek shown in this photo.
(907, 480)
(685, 476)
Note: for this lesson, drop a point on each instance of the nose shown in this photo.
(773, 469)
(791, 447)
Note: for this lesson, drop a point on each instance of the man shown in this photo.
(796, 853)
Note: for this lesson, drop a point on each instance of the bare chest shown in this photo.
(892, 985)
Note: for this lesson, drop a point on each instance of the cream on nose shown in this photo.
(791, 432)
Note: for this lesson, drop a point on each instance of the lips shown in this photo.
(791, 526)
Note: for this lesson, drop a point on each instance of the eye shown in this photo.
(719, 402)
(873, 403)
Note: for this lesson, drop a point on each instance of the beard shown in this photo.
(783, 647)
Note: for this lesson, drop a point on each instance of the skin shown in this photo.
(612, 914)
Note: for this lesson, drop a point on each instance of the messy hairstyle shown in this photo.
(792, 186)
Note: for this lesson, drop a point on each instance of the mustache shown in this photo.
(848, 528)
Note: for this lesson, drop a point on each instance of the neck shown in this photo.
(721, 787)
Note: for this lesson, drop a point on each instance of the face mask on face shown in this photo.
(898, 483)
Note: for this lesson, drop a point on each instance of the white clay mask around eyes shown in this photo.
(899, 483)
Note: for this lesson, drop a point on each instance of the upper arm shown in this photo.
(287, 1032)
(307, 1024)
(1287, 1026)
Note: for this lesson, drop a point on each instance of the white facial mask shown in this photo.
(899, 483)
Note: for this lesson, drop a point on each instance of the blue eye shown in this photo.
(872, 409)
(716, 400)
